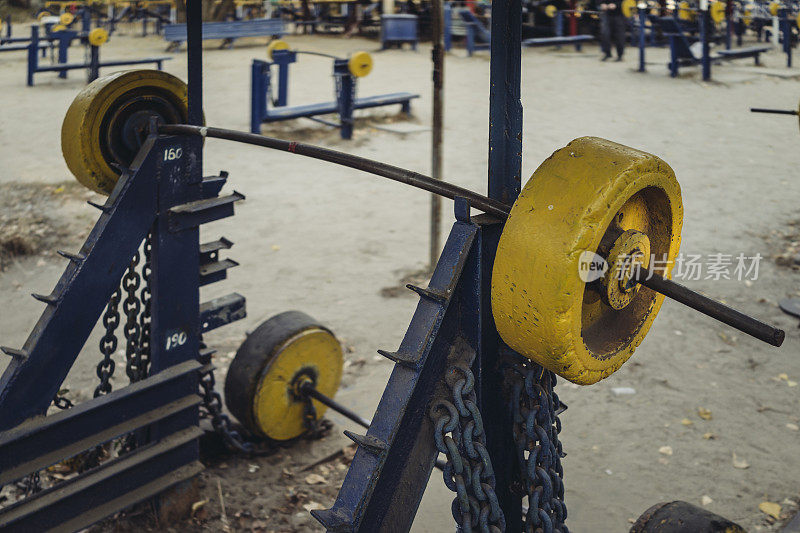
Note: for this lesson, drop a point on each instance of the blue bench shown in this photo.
(681, 53)
(227, 31)
(577, 40)
(346, 100)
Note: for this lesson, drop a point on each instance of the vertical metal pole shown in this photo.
(505, 108)
(63, 49)
(728, 24)
(505, 169)
(437, 57)
(33, 51)
(642, 17)
(704, 23)
(94, 63)
(194, 38)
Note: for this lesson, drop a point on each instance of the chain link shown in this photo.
(143, 353)
(468, 472)
(539, 451)
(131, 282)
(108, 345)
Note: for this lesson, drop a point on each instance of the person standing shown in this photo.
(612, 28)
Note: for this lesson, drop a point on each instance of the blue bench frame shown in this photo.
(346, 102)
(64, 39)
(228, 31)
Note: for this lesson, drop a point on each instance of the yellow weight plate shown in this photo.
(747, 17)
(98, 36)
(276, 45)
(797, 20)
(684, 11)
(717, 12)
(103, 119)
(579, 202)
(773, 8)
(57, 28)
(550, 11)
(360, 64)
(263, 381)
(628, 8)
(66, 18)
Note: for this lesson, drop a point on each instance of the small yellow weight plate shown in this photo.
(628, 8)
(684, 11)
(98, 36)
(546, 298)
(747, 17)
(57, 28)
(717, 12)
(42, 15)
(797, 20)
(550, 10)
(108, 118)
(360, 64)
(66, 18)
(773, 8)
(276, 45)
(262, 388)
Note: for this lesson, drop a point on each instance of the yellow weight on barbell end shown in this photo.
(262, 387)
(773, 8)
(629, 8)
(66, 18)
(797, 20)
(717, 12)
(684, 11)
(541, 305)
(360, 64)
(98, 36)
(97, 114)
(550, 10)
(276, 45)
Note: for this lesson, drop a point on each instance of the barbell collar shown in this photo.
(714, 309)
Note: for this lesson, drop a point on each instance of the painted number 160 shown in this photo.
(171, 154)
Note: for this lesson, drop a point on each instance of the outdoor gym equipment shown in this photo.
(345, 75)
(467, 380)
(92, 41)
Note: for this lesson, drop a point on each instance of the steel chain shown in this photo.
(468, 472)
(539, 450)
(108, 344)
(131, 282)
(143, 347)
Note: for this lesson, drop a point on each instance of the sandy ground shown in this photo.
(326, 240)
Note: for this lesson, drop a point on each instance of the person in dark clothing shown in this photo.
(612, 28)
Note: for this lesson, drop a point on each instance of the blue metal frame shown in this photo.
(345, 87)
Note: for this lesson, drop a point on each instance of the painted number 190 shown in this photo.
(175, 340)
(171, 154)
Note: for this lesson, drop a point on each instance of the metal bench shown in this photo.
(577, 40)
(227, 31)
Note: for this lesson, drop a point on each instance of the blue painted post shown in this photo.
(706, 61)
(786, 35)
(345, 96)
(33, 54)
(86, 20)
(728, 31)
(94, 63)
(642, 18)
(63, 50)
(259, 82)
(505, 170)
(471, 39)
(448, 27)
(283, 58)
(559, 24)
(673, 55)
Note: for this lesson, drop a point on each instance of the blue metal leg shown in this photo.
(345, 97)
(706, 61)
(673, 56)
(258, 94)
(63, 51)
(642, 18)
(33, 54)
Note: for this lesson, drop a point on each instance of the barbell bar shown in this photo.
(653, 281)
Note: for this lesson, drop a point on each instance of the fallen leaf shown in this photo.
(276, 247)
(196, 506)
(793, 427)
(666, 450)
(704, 413)
(314, 479)
(709, 436)
(784, 376)
(770, 508)
(706, 500)
(253, 468)
(791, 383)
(740, 463)
(311, 506)
(687, 422)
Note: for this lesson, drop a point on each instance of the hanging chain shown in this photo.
(131, 282)
(539, 451)
(108, 345)
(213, 405)
(143, 347)
(62, 402)
(468, 472)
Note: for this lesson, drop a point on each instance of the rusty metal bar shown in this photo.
(437, 56)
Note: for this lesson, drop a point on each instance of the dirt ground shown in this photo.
(714, 415)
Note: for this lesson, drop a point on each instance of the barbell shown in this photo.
(359, 63)
(716, 10)
(622, 202)
(777, 111)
